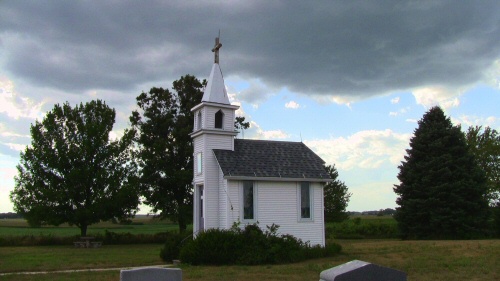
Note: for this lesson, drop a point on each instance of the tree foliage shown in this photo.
(485, 145)
(240, 124)
(73, 173)
(165, 148)
(336, 197)
(442, 191)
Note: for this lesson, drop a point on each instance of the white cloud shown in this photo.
(256, 92)
(365, 149)
(256, 132)
(16, 106)
(395, 100)
(436, 95)
(273, 134)
(292, 105)
(472, 120)
(344, 100)
(399, 112)
(492, 75)
(7, 173)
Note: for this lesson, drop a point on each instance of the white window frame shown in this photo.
(199, 163)
(299, 202)
(242, 198)
(198, 120)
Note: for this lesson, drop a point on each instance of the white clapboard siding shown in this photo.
(222, 201)
(211, 176)
(233, 192)
(228, 121)
(278, 203)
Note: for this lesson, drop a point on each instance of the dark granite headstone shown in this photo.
(361, 271)
(151, 274)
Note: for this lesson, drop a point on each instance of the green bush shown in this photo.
(360, 229)
(249, 246)
(172, 246)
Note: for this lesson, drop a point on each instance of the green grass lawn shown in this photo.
(422, 260)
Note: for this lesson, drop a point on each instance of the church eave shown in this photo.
(213, 132)
(214, 104)
(325, 180)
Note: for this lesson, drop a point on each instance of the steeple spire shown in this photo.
(216, 49)
(215, 91)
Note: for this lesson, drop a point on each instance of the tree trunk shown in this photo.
(83, 230)
(182, 218)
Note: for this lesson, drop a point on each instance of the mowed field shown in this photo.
(422, 260)
(140, 225)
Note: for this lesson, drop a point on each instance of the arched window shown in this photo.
(199, 120)
(219, 117)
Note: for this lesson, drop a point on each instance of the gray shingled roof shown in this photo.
(278, 159)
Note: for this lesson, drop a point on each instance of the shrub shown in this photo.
(213, 246)
(250, 246)
(172, 246)
(358, 229)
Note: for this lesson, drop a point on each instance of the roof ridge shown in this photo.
(256, 140)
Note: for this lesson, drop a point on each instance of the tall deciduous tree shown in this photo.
(73, 173)
(165, 148)
(336, 197)
(442, 191)
(485, 145)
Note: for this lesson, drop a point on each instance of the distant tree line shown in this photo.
(10, 215)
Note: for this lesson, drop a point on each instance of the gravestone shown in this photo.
(361, 271)
(151, 274)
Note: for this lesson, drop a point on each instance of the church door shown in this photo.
(201, 219)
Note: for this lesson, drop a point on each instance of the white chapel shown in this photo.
(249, 181)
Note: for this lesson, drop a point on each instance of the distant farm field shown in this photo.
(140, 225)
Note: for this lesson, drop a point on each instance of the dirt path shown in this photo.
(81, 270)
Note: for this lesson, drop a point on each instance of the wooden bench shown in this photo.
(80, 244)
(86, 242)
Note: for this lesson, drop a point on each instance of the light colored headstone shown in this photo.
(361, 271)
(151, 274)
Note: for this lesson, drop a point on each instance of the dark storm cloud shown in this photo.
(350, 48)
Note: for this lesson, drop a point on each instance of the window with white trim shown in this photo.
(248, 200)
(199, 163)
(305, 201)
(198, 125)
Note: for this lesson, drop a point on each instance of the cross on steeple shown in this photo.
(216, 49)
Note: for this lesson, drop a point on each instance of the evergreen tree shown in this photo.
(442, 190)
(336, 197)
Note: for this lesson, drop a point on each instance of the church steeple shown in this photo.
(213, 128)
(216, 90)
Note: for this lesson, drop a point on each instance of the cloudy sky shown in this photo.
(348, 78)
